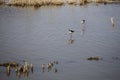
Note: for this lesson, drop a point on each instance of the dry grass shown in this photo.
(99, 1)
(57, 2)
(35, 2)
(77, 2)
(82, 2)
(25, 2)
(2, 2)
(72, 1)
(38, 3)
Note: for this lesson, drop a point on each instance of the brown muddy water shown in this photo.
(40, 36)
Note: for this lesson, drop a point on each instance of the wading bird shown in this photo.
(70, 31)
(112, 21)
(83, 21)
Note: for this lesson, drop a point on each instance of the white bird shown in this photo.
(112, 20)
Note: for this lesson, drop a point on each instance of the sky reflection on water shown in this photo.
(40, 36)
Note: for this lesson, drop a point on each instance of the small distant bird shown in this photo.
(70, 31)
(112, 20)
(83, 21)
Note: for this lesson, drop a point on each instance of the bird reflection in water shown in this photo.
(113, 28)
(83, 27)
(113, 24)
(8, 70)
(70, 41)
(83, 30)
(55, 70)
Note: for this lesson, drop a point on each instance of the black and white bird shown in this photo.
(70, 31)
(83, 21)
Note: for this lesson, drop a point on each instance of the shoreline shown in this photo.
(24, 3)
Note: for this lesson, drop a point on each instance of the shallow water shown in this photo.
(41, 35)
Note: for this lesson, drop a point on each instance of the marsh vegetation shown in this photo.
(39, 3)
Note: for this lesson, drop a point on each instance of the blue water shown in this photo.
(41, 35)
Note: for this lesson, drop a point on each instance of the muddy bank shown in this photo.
(106, 1)
(2, 2)
(34, 2)
(77, 2)
(39, 3)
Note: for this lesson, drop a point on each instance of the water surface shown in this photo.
(41, 35)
